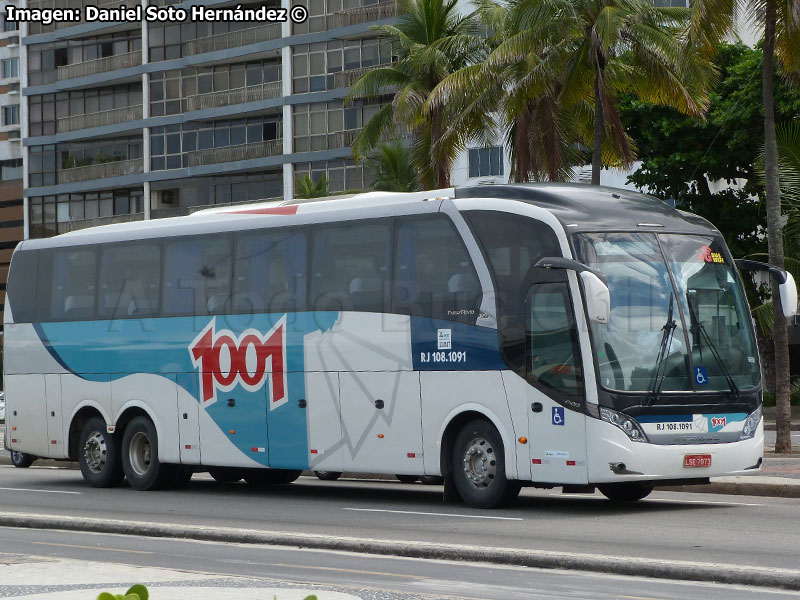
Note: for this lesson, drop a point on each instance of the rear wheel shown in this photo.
(625, 492)
(21, 460)
(328, 475)
(267, 477)
(479, 467)
(99, 455)
(140, 457)
(226, 474)
(407, 478)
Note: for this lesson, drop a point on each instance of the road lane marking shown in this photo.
(354, 571)
(92, 548)
(432, 514)
(8, 489)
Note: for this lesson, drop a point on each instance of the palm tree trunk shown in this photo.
(783, 441)
(599, 125)
(440, 164)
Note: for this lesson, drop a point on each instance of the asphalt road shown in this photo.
(367, 577)
(736, 530)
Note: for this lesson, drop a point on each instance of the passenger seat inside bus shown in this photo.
(366, 294)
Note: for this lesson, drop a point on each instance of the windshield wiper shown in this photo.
(663, 353)
(696, 324)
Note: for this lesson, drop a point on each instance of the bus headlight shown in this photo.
(624, 422)
(751, 424)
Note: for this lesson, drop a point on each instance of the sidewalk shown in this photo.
(63, 579)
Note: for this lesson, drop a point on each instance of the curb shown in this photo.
(620, 565)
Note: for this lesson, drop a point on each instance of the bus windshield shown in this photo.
(679, 320)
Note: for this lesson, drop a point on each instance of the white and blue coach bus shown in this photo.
(497, 336)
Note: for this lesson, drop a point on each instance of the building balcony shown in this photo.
(214, 156)
(345, 79)
(340, 139)
(81, 4)
(100, 65)
(234, 39)
(182, 211)
(99, 119)
(97, 221)
(101, 171)
(362, 14)
(252, 93)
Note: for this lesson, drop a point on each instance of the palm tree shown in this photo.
(560, 65)
(431, 40)
(392, 169)
(780, 19)
(305, 187)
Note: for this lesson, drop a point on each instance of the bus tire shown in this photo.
(99, 455)
(226, 474)
(21, 460)
(431, 480)
(479, 467)
(629, 491)
(328, 475)
(268, 477)
(140, 457)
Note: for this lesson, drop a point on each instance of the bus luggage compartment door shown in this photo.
(26, 409)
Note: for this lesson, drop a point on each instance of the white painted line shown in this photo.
(43, 491)
(433, 514)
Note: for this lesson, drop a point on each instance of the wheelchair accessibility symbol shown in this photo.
(700, 375)
(558, 415)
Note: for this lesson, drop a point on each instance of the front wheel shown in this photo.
(479, 467)
(99, 455)
(226, 474)
(140, 457)
(625, 492)
(328, 475)
(21, 460)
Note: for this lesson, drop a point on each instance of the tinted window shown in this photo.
(130, 281)
(22, 285)
(554, 355)
(270, 272)
(197, 276)
(434, 276)
(350, 267)
(72, 285)
(512, 244)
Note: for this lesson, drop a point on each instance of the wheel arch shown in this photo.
(80, 414)
(460, 417)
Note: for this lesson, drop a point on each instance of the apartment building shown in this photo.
(128, 121)
(11, 204)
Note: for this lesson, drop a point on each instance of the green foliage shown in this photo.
(681, 155)
(392, 169)
(305, 187)
(431, 40)
(136, 592)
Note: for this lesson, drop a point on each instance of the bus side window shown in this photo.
(270, 272)
(22, 280)
(350, 267)
(72, 285)
(130, 281)
(434, 276)
(197, 276)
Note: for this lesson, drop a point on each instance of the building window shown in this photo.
(10, 68)
(314, 65)
(11, 115)
(44, 59)
(329, 125)
(44, 162)
(485, 162)
(10, 169)
(10, 25)
(343, 175)
(51, 215)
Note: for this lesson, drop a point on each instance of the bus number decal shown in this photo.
(443, 357)
(222, 359)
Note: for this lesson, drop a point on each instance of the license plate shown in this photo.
(697, 460)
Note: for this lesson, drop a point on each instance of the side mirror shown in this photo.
(786, 285)
(595, 290)
(788, 293)
(598, 298)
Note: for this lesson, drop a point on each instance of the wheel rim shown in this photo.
(140, 453)
(480, 464)
(95, 452)
(16, 456)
